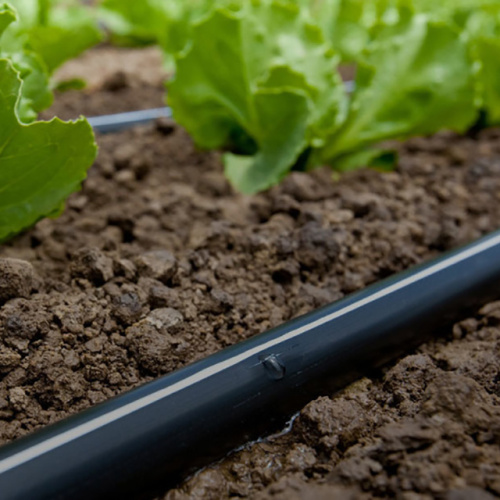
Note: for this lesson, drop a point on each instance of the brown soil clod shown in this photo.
(17, 279)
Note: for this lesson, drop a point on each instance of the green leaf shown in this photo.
(257, 79)
(55, 30)
(350, 25)
(42, 36)
(479, 23)
(40, 164)
(7, 16)
(138, 23)
(71, 84)
(36, 94)
(346, 24)
(417, 82)
(378, 159)
(166, 23)
(286, 112)
(68, 35)
(488, 50)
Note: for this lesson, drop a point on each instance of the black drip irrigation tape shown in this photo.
(164, 430)
(120, 121)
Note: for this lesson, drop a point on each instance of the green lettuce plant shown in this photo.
(45, 34)
(416, 78)
(41, 163)
(167, 23)
(260, 80)
(57, 30)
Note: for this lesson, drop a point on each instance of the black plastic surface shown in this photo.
(121, 121)
(159, 432)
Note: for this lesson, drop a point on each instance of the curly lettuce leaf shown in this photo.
(36, 94)
(40, 164)
(286, 111)
(138, 23)
(416, 81)
(163, 22)
(482, 30)
(68, 33)
(56, 30)
(346, 23)
(260, 81)
(7, 16)
(479, 23)
(488, 50)
(449, 10)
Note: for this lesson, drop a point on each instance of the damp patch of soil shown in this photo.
(157, 263)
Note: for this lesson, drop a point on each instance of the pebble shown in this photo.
(92, 264)
(17, 278)
(165, 319)
(126, 268)
(9, 359)
(127, 308)
(159, 264)
(18, 398)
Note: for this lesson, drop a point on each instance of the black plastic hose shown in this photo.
(156, 434)
(121, 121)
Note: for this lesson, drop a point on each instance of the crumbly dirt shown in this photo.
(157, 262)
(117, 80)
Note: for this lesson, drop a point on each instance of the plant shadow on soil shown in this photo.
(157, 263)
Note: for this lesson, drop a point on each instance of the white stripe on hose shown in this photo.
(98, 422)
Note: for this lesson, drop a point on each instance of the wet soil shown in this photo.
(157, 262)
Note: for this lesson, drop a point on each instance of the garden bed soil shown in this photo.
(157, 263)
(117, 80)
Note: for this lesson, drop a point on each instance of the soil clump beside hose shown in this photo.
(157, 263)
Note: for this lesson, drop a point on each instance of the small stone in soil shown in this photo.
(92, 264)
(127, 308)
(125, 267)
(159, 264)
(9, 359)
(165, 319)
(17, 279)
